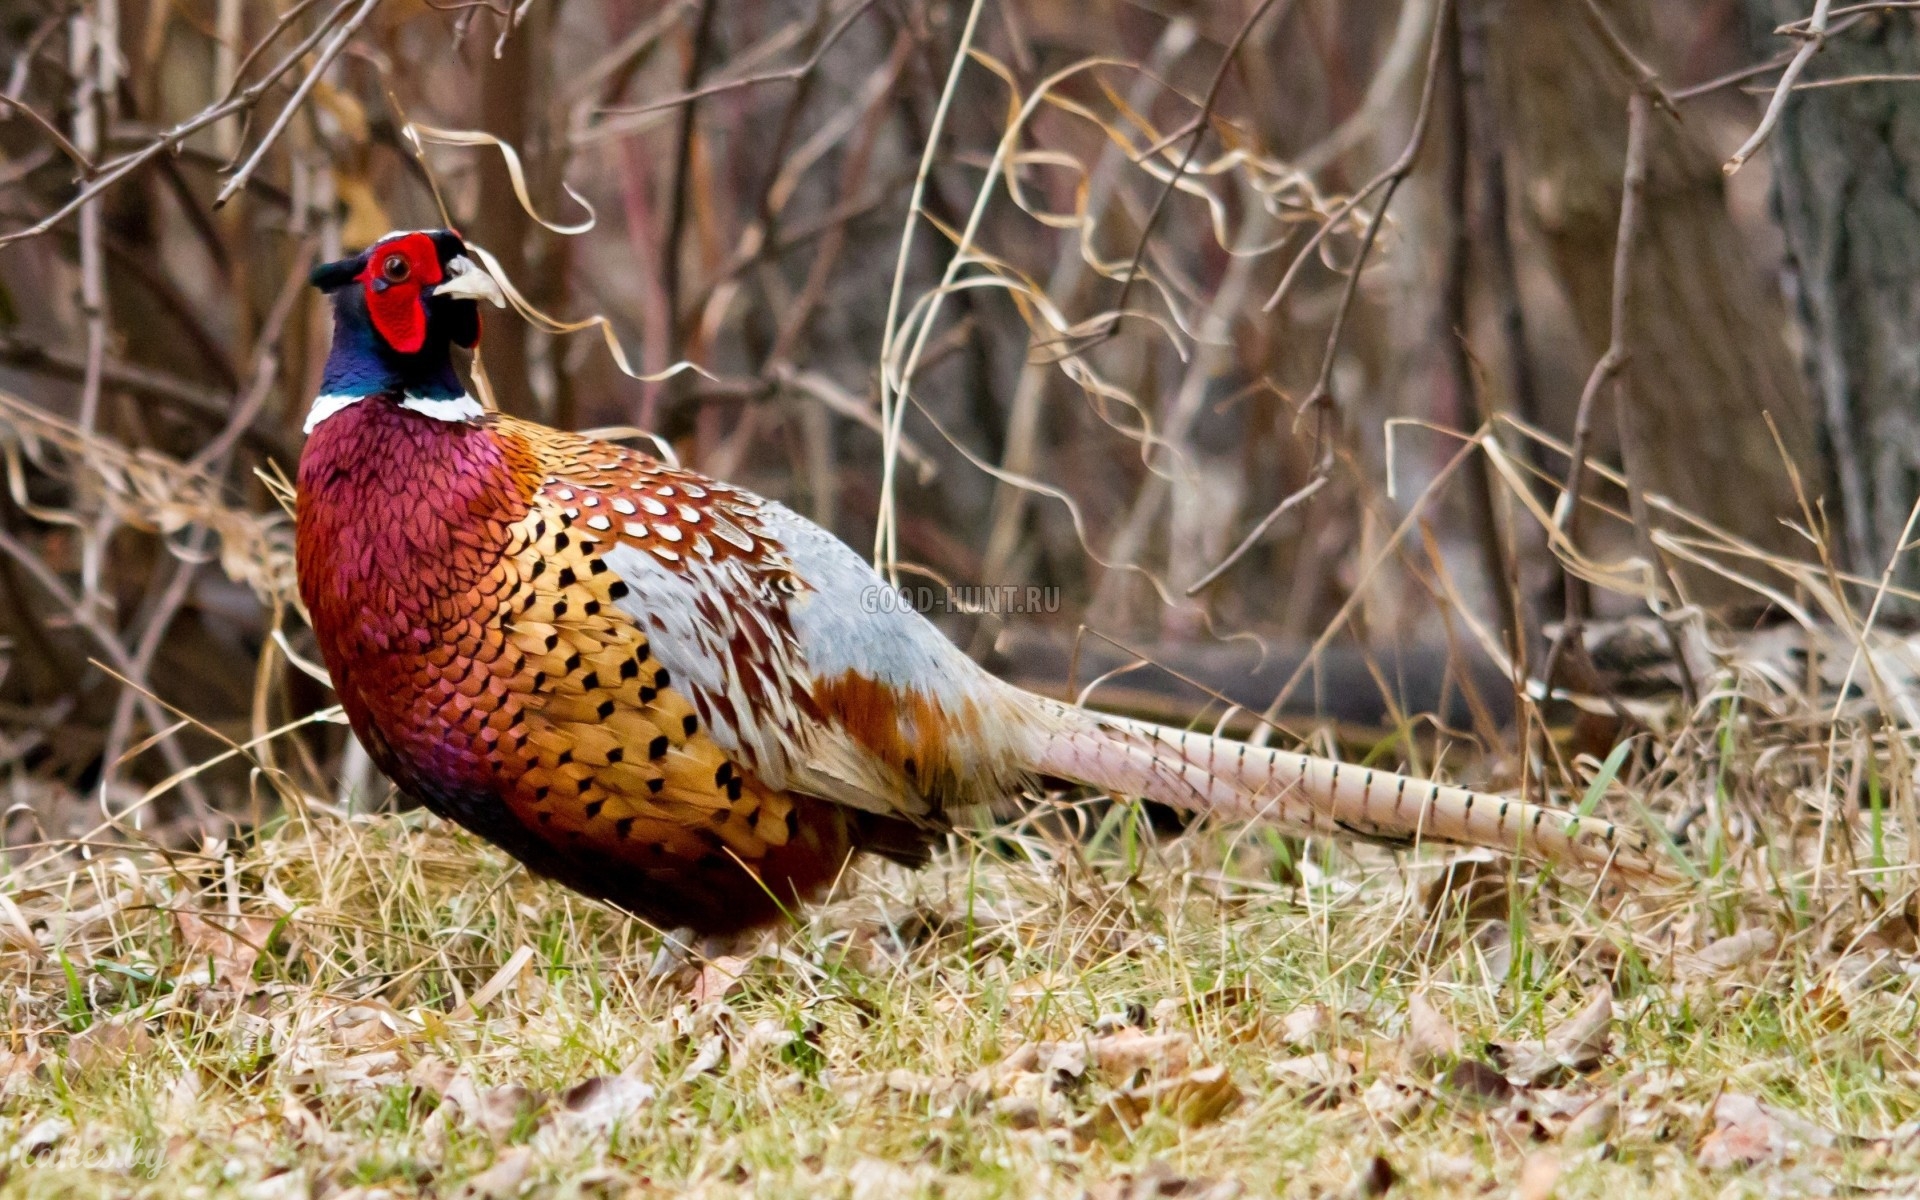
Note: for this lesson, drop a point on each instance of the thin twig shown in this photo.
(1835, 26)
(188, 396)
(266, 365)
(109, 642)
(211, 459)
(1740, 75)
(80, 159)
(92, 59)
(1803, 27)
(320, 65)
(613, 68)
(1643, 77)
(1396, 65)
(798, 71)
(1300, 496)
(1022, 426)
(1611, 363)
(1319, 400)
(114, 170)
(1816, 38)
(1198, 128)
(284, 23)
(886, 534)
(30, 50)
(1814, 85)
(1388, 182)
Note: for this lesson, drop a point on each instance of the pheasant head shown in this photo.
(399, 308)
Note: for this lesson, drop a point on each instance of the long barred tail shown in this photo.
(1310, 795)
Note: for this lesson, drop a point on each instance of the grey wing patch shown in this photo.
(843, 623)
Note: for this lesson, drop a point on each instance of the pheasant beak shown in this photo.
(467, 280)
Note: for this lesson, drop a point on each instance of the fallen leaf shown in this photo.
(287, 1185)
(1392, 1103)
(1063, 1062)
(17, 1069)
(1431, 1040)
(599, 1105)
(495, 1111)
(231, 944)
(1475, 885)
(182, 1103)
(16, 932)
(1731, 952)
(1749, 1132)
(1538, 1174)
(1117, 1058)
(1854, 975)
(1019, 1111)
(503, 1179)
(769, 1034)
(1317, 1080)
(1134, 1016)
(941, 1090)
(1306, 1025)
(1745, 1134)
(105, 1045)
(1826, 1006)
(40, 1138)
(361, 1027)
(1594, 1124)
(1120, 1056)
(433, 1074)
(1493, 942)
(718, 978)
(1472, 1079)
(1578, 1044)
(712, 1053)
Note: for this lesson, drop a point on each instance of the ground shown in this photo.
(383, 1006)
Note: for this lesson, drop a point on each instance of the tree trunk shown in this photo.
(1709, 358)
(1845, 164)
(514, 92)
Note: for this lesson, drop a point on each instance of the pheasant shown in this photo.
(676, 696)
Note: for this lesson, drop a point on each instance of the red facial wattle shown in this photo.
(396, 274)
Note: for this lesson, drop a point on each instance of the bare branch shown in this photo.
(114, 170)
(798, 71)
(299, 96)
(80, 159)
(1815, 34)
(1195, 130)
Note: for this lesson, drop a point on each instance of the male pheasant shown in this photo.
(676, 696)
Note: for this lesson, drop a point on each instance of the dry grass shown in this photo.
(352, 1006)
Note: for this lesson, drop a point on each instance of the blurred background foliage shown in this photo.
(1238, 284)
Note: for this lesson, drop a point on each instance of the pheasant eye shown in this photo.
(396, 268)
